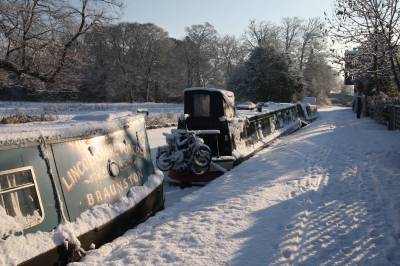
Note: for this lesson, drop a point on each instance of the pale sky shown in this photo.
(227, 16)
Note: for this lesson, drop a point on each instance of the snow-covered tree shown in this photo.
(264, 77)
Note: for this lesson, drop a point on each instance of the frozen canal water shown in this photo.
(325, 195)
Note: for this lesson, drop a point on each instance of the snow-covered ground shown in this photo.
(38, 108)
(160, 114)
(327, 194)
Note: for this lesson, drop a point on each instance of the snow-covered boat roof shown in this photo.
(268, 107)
(310, 100)
(228, 95)
(225, 92)
(246, 105)
(79, 126)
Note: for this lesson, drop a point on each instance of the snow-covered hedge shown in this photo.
(157, 120)
(376, 106)
(20, 118)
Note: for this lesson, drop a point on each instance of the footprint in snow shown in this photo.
(374, 233)
(290, 226)
(287, 253)
(347, 250)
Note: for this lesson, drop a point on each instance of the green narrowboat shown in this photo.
(66, 187)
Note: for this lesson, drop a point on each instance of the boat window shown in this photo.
(19, 196)
(201, 105)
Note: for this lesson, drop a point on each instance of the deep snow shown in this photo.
(327, 194)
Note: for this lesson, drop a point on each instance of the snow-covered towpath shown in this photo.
(327, 194)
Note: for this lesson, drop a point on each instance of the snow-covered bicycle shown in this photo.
(184, 151)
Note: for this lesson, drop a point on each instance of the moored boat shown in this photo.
(69, 187)
(238, 134)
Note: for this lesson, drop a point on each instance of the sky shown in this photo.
(227, 16)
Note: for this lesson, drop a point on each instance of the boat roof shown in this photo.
(310, 100)
(267, 108)
(79, 126)
(229, 96)
(225, 92)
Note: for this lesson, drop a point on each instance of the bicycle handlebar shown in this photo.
(196, 132)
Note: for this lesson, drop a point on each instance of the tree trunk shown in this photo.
(132, 89)
(198, 75)
(395, 75)
(303, 50)
(189, 82)
(376, 67)
(397, 63)
(156, 91)
(147, 91)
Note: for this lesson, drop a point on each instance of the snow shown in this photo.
(246, 106)
(8, 225)
(38, 108)
(16, 249)
(100, 116)
(310, 100)
(82, 125)
(325, 195)
(156, 139)
(242, 149)
(267, 108)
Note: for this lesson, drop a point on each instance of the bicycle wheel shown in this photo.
(202, 156)
(199, 170)
(164, 162)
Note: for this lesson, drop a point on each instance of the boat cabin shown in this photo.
(208, 108)
(241, 132)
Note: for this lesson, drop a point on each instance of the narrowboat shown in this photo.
(232, 135)
(69, 187)
(307, 109)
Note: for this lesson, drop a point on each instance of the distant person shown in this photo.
(359, 105)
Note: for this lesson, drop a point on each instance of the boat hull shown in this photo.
(107, 232)
(220, 166)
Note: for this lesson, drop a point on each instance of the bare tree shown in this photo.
(291, 28)
(310, 32)
(231, 53)
(133, 55)
(146, 48)
(38, 36)
(200, 47)
(262, 34)
(374, 27)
